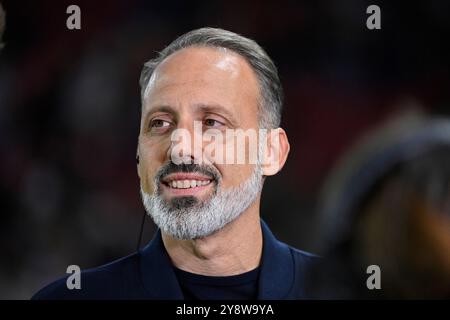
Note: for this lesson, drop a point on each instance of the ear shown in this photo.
(274, 157)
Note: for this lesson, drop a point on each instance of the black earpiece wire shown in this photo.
(141, 232)
(143, 220)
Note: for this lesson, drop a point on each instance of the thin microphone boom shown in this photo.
(141, 232)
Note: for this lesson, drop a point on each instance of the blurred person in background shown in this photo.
(211, 242)
(387, 203)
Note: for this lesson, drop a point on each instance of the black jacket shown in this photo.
(148, 274)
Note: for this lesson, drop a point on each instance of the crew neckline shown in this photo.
(239, 279)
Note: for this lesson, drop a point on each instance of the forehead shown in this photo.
(200, 75)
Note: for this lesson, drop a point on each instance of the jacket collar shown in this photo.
(275, 280)
(157, 274)
(277, 268)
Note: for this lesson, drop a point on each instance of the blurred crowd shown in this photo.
(69, 121)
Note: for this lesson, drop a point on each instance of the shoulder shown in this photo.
(306, 266)
(304, 256)
(304, 262)
(109, 281)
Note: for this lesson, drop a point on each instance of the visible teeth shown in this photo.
(184, 184)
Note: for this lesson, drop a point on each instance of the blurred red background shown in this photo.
(70, 108)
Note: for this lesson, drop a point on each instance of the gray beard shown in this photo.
(189, 218)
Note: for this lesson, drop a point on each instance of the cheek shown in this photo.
(152, 157)
(233, 175)
(147, 176)
(235, 153)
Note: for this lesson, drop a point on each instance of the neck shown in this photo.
(234, 249)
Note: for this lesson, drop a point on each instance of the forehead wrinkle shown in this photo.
(220, 58)
(227, 63)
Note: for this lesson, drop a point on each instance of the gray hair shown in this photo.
(271, 92)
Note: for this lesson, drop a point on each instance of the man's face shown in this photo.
(218, 89)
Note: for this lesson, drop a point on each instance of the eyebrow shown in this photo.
(163, 109)
(202, 107)
(217, 108)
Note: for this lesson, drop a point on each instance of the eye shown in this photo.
(159, 123)
(159, 126)
(212, 123)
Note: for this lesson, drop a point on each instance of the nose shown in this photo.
(186, 143)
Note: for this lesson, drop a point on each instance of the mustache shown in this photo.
(171, 167)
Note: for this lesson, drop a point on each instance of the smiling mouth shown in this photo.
(185, 183)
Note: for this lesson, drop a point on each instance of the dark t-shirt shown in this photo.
(199, 287)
